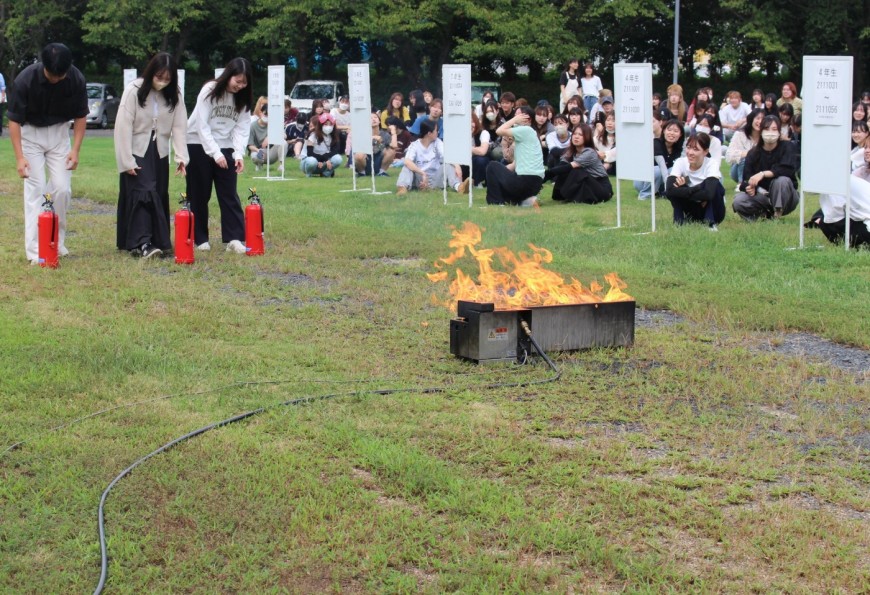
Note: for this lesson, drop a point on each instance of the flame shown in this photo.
(520, 281)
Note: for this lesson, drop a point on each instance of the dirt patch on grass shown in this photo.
(807, 345)
(656, 318)
(86, 206)
(370, 483)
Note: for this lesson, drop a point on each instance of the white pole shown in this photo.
(444, 180)
(374, 188)
(653, 199)
(618, 204)
(470, 191)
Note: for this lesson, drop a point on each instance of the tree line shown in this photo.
(410, 40)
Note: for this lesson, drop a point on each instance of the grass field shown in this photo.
(702, 459)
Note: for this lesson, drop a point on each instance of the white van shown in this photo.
(305, 92)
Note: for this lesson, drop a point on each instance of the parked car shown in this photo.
(103, 104)
(305, 92)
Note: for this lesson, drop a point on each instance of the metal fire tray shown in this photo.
(484, 334)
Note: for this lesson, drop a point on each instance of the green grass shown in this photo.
(693, 461)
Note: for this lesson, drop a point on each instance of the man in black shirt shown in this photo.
(44, 98)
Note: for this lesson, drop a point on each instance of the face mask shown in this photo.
(769, 137)
(327, 130)
(562, 130)
(159, 85)
(491, 116)
(343, 106)
(703, 129)
(610, 129)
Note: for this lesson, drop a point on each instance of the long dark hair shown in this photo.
(588, 143)
(747, 128)
(244, 99)
(161, 62)
(678, 145)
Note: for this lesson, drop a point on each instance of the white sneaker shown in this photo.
(237, 247)
(531, 201)
(204, 247)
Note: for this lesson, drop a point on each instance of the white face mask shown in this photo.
(159, 85)
(327, 130)
(769, 136)
(703, 129)
(343, 106)
(561, 130)
(610, 129)
(491, 116)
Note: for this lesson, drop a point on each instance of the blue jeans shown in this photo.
(737, 170)
(309, 165)
(644, 189)
(589, 101)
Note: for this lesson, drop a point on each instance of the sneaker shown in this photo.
(148, 251)
(237, 247)
(328, 173)
(463, 186)
(531, 201)
(204, 247)
(401, 191)
(777, 213)
(383, 174)
(713, 227)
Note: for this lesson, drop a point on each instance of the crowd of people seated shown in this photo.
(692, 136)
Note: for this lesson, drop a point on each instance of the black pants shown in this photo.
(712, 213)
(504, 186)
(577, 185)
(201, 174)
(143, 203)
(859, 235)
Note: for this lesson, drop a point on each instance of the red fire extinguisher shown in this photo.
(254, 225)
(184, 233)
(48, 234)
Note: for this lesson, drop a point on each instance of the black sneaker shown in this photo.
(148, 251)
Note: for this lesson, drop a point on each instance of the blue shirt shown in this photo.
(415, 127)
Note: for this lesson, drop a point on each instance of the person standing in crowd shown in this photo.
(151, 110)
(45, 97)
(591, 86)
(675, 103)
(568, 82)
(769, 186)
(216, 133)
(519, 182)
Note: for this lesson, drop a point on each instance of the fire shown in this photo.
(520, 281)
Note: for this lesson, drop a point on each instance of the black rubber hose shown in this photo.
(104, 559)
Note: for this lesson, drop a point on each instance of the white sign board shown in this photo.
(632, 96)
(275, 98)
(635, 104)
(129, 76)
(218, 72)
(360, 109)
(826, 124)
(181, 82)
(456, 82)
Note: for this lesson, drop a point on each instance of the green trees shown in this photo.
(409, 40)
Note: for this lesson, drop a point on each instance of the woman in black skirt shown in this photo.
(151, 111)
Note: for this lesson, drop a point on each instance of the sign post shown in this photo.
(632, 93)
(129, 76)
(361, 119)
(827, 117)
(275, 127)
(456, 82)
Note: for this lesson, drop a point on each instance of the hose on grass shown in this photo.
(101, 519)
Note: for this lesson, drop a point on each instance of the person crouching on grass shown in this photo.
(694, 186)
(322, 146)
(217, 132)
(769, 186)
(519, 182)
(424, 164)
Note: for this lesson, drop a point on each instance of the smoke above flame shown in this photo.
(519, 281)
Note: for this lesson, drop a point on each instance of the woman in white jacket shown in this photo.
(217, 133)
(150, 114)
